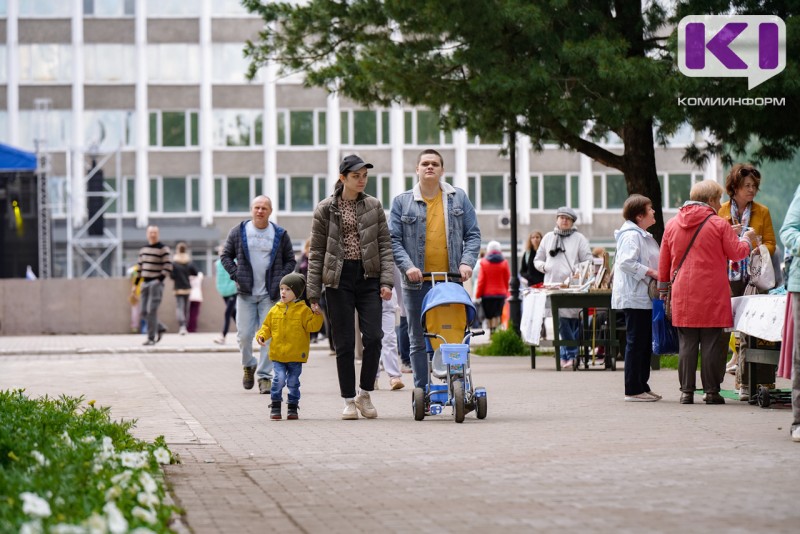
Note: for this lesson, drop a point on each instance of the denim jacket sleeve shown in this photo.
(472, 233)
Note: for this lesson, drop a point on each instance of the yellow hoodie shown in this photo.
(289, 326)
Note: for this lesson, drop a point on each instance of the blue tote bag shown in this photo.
(665, 336)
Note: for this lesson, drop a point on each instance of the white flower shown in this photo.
(116, 522)
(122, 478)
(133, 460)
(148, 499)
(147, 482)
(142, 530)
(148, 516)
(66, 439)
(64, 528)
(34, 505)
(96, 524)
(161, 455)
(31, 527)
(113, 493)
(88, 439)
(40, 459)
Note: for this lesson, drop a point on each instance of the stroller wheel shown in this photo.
(418, 404)
(459, 408)
(480, 411)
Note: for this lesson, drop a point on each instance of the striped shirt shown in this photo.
(154, 262)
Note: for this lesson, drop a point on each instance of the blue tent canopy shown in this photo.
(13, 159)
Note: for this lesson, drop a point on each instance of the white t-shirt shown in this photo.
(259, 245)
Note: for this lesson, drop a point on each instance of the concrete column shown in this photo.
(12, 71)
(206, 118)
(523, 181)
(460, 164)
(397, 136)
(270, 126)
(333, 134)
(586, 196)
(79, 167)
(142, 188)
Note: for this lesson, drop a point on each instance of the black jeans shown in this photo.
(230, 313)
(639, 347)
(355, 293)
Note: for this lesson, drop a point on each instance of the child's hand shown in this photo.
(260, 340)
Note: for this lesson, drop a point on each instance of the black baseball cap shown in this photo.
(353, 163)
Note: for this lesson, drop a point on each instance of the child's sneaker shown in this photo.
(350, 412)
(292, 412)
(364, 405)
(275, 411)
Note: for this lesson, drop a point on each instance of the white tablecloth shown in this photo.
(760, 316)
(534, 306)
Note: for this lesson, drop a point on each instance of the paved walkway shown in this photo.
(557, 450)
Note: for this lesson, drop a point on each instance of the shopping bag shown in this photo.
(665, 336)
(760, 269)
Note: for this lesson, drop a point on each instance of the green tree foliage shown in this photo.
(573, 71)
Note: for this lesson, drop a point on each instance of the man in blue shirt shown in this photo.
(257, 254)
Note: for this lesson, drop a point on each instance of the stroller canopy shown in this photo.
(448, 293)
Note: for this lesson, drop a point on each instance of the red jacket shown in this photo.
(493, 277)
(701, 295)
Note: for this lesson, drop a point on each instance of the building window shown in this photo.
(3, 126)
(228, 64)
(45, 63)
(109, 129)
(129, 195)
(229, 8)
(232, 194)
(109, 63)
(54, 127)
(44, 8)
(610, 191)
(238, 127)
(173, 63)
(555, 191)
(677, 189)
(535, 192)
(301, 128)
(300, 194)
(174, 128)
(378, 187)
(363, 127)
(421, 127)
(109, 8)
(492, 140)
(168, 194)
(173, 8)
(486, 192)
(3, 59)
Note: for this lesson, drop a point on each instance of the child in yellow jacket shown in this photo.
(289, 323)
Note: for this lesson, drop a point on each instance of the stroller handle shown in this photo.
(446, 276)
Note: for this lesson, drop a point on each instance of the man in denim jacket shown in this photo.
(438, 218)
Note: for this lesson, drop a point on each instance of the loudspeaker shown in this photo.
(95, 185)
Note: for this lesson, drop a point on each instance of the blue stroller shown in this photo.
(447, 312)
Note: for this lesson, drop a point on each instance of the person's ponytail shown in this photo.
(337, 189)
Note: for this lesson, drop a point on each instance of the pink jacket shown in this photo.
(701, 295)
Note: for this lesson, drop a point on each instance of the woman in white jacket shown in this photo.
(557, 257)
(635, 265)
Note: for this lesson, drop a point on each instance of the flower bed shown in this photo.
(65, 467)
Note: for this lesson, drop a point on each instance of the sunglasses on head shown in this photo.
(744, 173)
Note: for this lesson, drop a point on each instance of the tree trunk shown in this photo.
(640, 168)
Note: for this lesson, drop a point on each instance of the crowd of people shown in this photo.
(359, 268)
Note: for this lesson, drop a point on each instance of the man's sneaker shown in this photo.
(641, 397)
(654, 395)
(350, 412)
(291, 414)
(275, 410)
(396, 383)
(264, 385)
(364, 405)
(219, 340)
(796, 434)
(249, 379)
(406, 368)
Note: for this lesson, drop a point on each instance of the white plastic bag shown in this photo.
(761, 272)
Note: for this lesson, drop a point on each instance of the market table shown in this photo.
(562, 299)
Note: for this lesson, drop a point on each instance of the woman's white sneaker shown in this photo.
(364, 405)
(349, 411)
(641, 397)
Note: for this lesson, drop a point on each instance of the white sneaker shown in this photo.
(641, 397)
(364, 405)
(796, 434)
(349, 412)
(377, 385)
(654, 395)
(219, 340)
(183, 331)
(744, 393)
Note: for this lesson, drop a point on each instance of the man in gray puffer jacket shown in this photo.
(257, 254)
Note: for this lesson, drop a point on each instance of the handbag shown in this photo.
(665, 336)
(668, 300)
(762, 274)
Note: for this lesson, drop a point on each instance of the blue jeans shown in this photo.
(250, 314)
(403, 343)
(569, 330)
(419, 357)
(287, 374)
